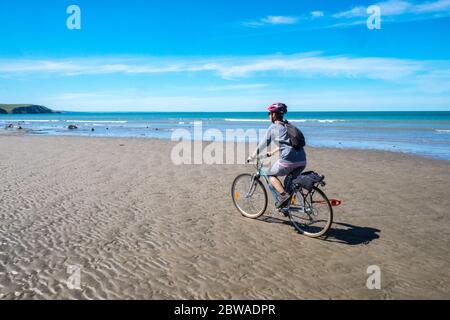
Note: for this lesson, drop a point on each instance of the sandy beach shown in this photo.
(140, 227)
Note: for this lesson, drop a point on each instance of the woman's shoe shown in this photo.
(283, 200)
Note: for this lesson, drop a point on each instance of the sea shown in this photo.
(425, 134)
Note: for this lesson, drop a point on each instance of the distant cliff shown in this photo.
(24, 109)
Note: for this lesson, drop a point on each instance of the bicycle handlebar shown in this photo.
(259, 158)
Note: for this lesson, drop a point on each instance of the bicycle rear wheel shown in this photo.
(311, 214)
(249, 196)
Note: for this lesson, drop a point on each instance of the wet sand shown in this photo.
(141, 227)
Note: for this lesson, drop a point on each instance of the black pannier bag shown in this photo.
(307, 180)
(295, 135)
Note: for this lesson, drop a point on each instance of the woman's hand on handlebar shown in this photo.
(271, 153)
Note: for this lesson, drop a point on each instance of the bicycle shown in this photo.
(309, 211)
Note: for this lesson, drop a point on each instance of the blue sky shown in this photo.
(141, 55)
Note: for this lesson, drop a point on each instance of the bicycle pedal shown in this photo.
(283, 211)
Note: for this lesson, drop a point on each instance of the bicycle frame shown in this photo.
(261, 172)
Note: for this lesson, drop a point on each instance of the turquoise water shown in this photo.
(421, 133)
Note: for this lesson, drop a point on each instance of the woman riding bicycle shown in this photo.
(290, 160)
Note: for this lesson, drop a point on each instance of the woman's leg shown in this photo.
(277, 170)
(274, 171)
(276, 184)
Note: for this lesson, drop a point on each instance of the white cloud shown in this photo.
(388, 8)
(400, 83)
(280, 20)
(236, 87)
(393, 8)
(433, 7)
(352, 13)
(391, 11)
(321, 66)
(422, 76)
(297, 65)
(252, 24)
(317, 14)
(108, 65)
(272, 20)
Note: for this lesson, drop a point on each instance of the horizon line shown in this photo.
(263, 111)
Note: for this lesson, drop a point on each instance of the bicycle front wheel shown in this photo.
(249, 196)
(311, 214)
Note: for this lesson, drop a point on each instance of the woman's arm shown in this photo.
(264, 143)
(271, 153)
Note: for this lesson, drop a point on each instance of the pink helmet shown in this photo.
(277, 108)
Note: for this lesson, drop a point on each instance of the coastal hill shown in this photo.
(24, 109)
